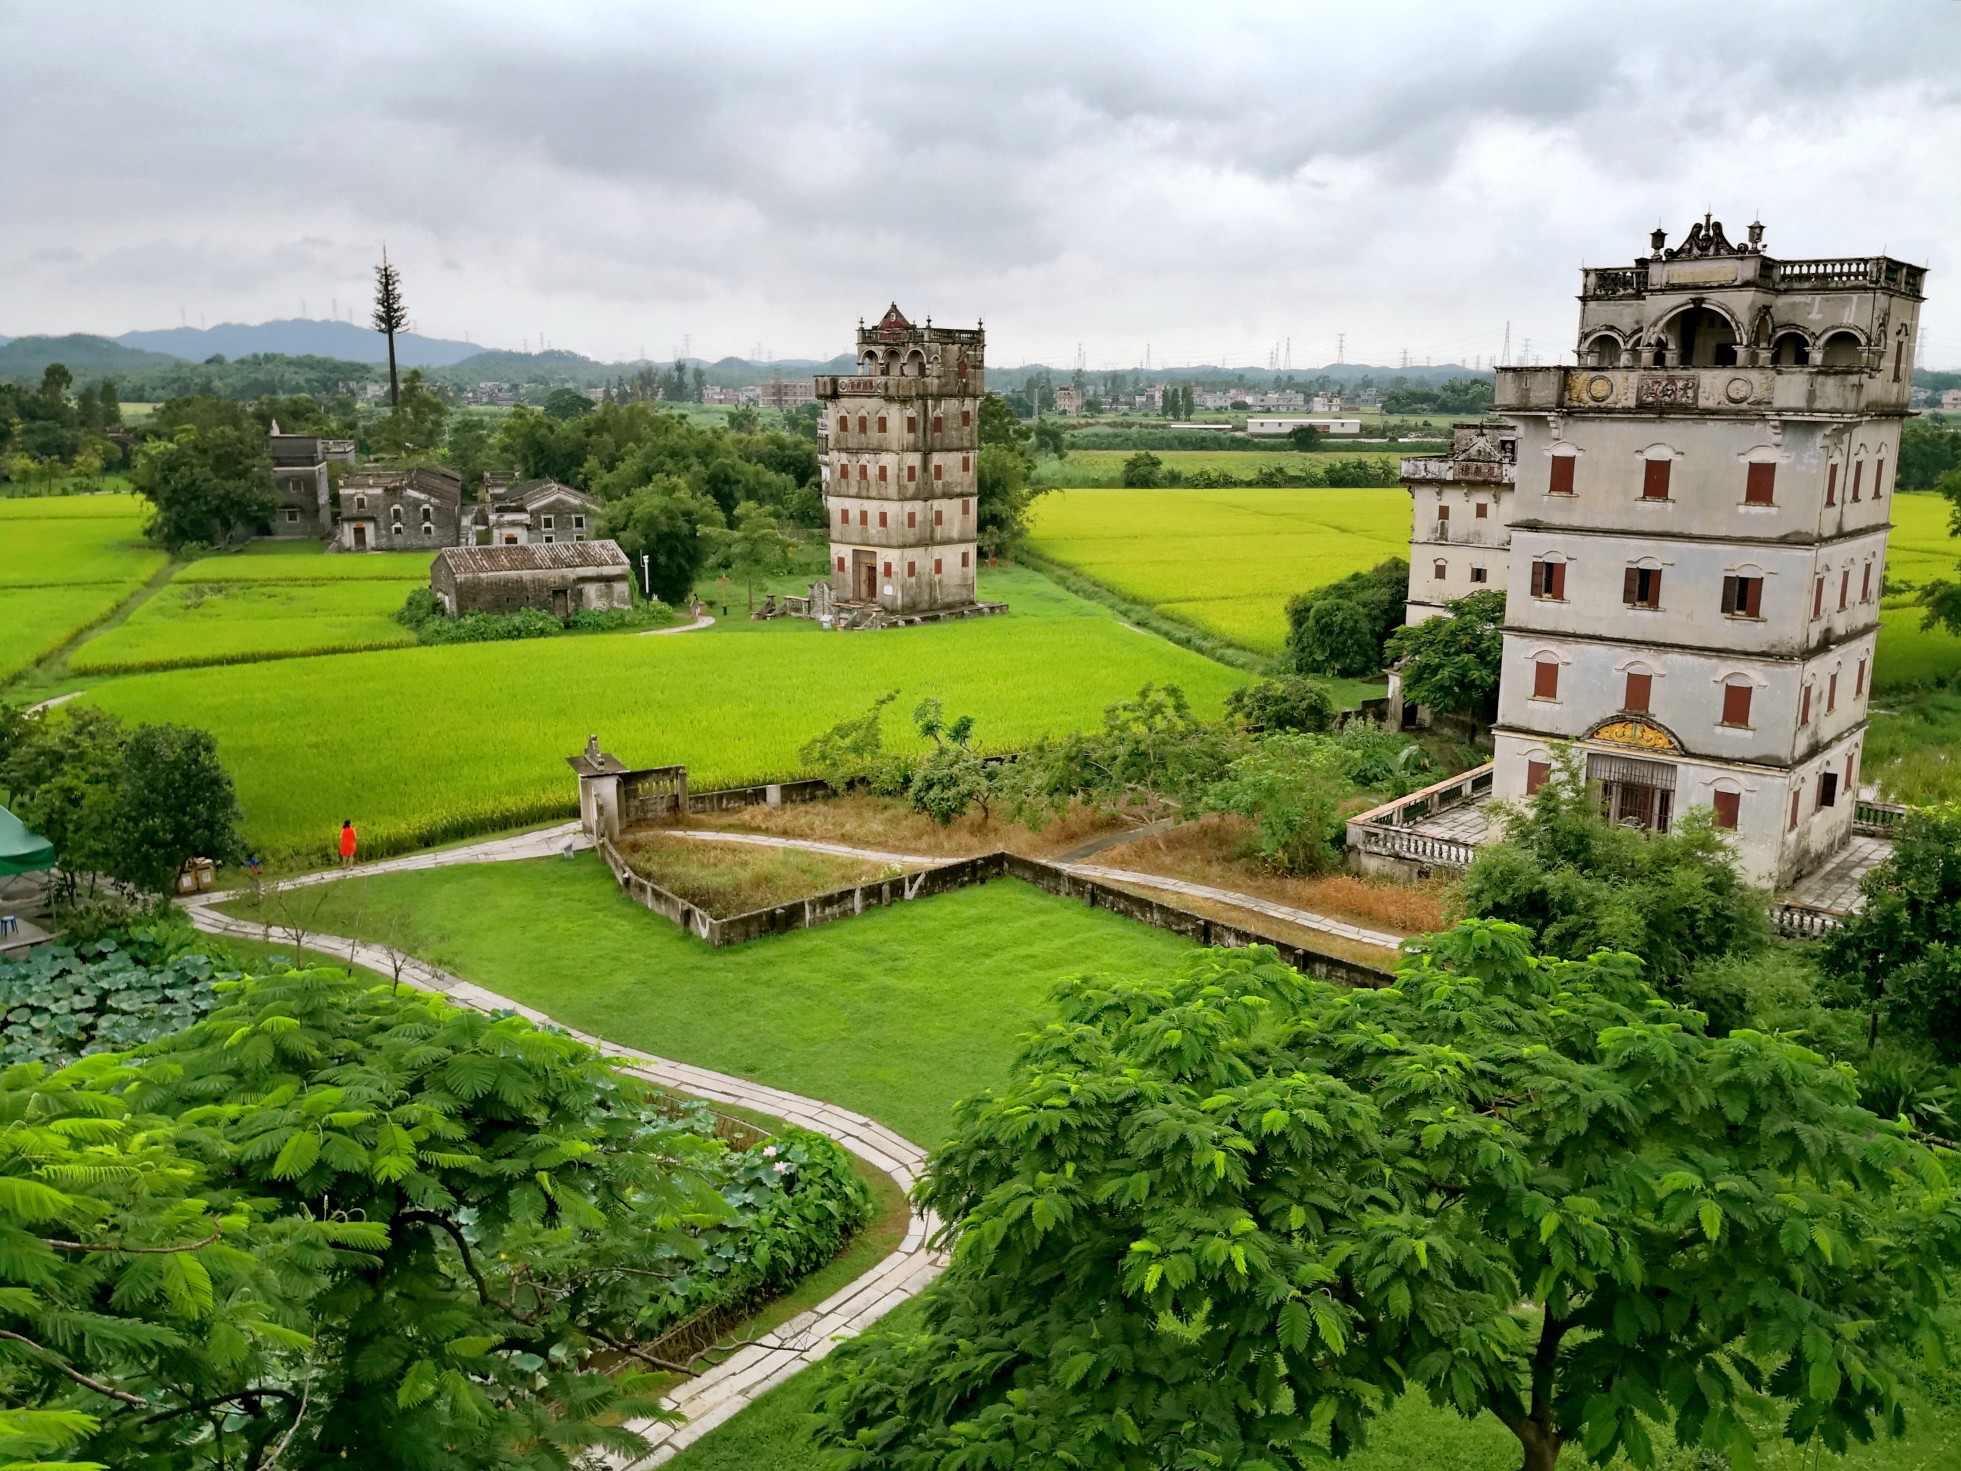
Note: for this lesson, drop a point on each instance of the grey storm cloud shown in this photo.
(1209, 182)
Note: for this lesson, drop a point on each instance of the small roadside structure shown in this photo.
(557, 578)
(538, 511)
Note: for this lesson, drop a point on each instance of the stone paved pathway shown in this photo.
(719, 1392)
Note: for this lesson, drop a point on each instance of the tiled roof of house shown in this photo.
(535, 557)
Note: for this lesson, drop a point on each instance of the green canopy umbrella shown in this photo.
(20, 850)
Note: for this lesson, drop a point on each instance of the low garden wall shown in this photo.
(944, 878)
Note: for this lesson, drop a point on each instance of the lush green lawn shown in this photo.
(236, 621)
(423, 744)
(1223, 560)
(897, 1013)
(53, 541)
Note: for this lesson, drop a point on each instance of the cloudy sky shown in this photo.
(1198, 182)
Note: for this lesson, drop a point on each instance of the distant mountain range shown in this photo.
(301, 337)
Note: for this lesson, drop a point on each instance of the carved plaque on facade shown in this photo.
(1638, 735)
(1671, 391)
(1477, 470)
(857, 385)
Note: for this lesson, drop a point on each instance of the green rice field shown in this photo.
(229, 622)
(424, 744)
(35, 621)
(306, 561)
(1225, 561)
(55, 541)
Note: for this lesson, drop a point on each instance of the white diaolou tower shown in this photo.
(1698, 539)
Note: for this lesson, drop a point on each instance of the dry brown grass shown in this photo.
(1220, 852)
(734, 878)
(892, 826)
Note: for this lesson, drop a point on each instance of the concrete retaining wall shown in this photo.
(946, 877)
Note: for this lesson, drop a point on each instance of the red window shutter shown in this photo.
(912, 519)
(1859, 681)
(1899, 361)
(861, 423)
(1858, 474)
(1726, 804)
(1753, 597)
(1844, 589)
(1654, 480)
(1539, 579)
(888, 569)
(912, 473)
(1536, 775)
(1865, 584)
(936, 566)
(844, 516)
(881, 520)
(1443, 513)
(1555, 580)
(1831, 693)
(1639, 688)
(966, 417)
(881, 474)
(844, 424)
(1437, 571)
(909, 569)
(1851, 770)
(1794, 810)
(1484, 511)
(1831, 485)
(963, 559)
(1736, 704)
(1818, 598)
(863, 518)
(1878, 477)
(864, 472)
(912, 423)
(963, 508)
(938, 424)
(1562, 475)
(1804, 706)
(881, 423)
(1732, 594)
(1758, 489)
(1631, 586)
(1545, 680)
(939, 516)
(966, 463)
(939, 471)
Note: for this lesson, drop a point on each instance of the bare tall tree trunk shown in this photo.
(394, 381)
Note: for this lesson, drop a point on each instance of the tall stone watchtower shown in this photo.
(900, 440)
(1698, 539)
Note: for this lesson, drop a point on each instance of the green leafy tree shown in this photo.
(414, 426)
(999, 425)
(1002, 497)
(1304, 437)
(1150, 754)
(206, 485)
(1050, 438)
(1143, 470)
(1340, 629)
(1927, 454)
(174, 801)
(1900, 952)
(853, 751)
(1292, 785)
(391, 315)
(953, 776)
(744, 420)
(750, 548)
(663, 521)
(1452, 663)
(1580, 883)
(467, 451)
(1285, 702)
(1222, 1220)
(567, 403)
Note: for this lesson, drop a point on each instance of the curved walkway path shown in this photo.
(717, 1393)
(704, 621)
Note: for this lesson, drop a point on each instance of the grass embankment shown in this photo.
(897, 1013)
(1224, 561)
(424, 744)
(69, 563)
(735, 878)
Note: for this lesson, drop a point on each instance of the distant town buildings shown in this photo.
(779, 393)
(1068, 400)
(1951, 400)
(1258, 425)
